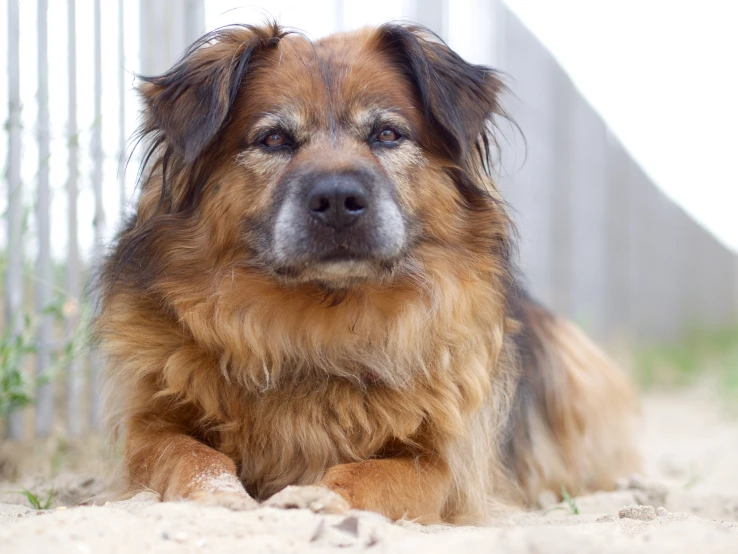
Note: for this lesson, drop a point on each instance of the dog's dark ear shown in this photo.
(190, 103)
(458, 98)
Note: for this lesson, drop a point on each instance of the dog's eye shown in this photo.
(388, 134)
(275, 139)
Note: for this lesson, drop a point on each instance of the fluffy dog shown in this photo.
(317, 288)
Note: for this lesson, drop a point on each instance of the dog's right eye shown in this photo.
(387, 134)
(274, 139)
(277, 140)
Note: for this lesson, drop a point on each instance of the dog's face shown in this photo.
(330, 149)
(331, 163)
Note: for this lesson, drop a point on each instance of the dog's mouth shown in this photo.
(337, 272)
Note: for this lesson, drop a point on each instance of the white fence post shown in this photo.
(167, 28)
(433, 14)
(123, 198)
(96, 150)
(43, 285)
(14, 270)
(74, 377)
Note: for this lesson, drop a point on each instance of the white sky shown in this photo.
(663, 74)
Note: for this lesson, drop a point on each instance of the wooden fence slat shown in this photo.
(14, 271)
(97, 184)
(74, 382)
(194, 20)
(123, 199)
(43, 292)
(97, 146)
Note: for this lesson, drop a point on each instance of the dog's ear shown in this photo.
(458, 98)
(191, 102)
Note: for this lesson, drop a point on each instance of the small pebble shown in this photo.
(319, 530)
(643, 513)
(349, 525)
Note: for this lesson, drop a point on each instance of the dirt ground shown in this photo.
(687, 503)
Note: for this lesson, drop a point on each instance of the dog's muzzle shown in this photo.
(337, 223)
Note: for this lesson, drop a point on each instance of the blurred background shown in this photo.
(624, 187)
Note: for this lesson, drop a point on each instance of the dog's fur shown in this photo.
(419, 381)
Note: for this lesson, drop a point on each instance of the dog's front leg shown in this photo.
(178, 467)
(402, 487)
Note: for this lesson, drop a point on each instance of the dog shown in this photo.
(316, 304)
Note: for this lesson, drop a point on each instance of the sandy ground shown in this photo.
(687, 503)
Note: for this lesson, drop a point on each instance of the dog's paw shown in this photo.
(318, 499)
(235, 501)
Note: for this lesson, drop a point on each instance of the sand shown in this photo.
(687, 503)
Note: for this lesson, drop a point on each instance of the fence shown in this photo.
(599, 242)
(66, 152)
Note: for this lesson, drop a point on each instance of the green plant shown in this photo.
(569, 501)
(35, 501)
(17, 387)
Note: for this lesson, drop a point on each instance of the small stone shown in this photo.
(349, 525)
(180, 537)
(318, 499)
(642, 513)
(319, 530)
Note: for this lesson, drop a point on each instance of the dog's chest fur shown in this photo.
(293, 431)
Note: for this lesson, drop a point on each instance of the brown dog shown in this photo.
(317, 288)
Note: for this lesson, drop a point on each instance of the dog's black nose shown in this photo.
(337, 200)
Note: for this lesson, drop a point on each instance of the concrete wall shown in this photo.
(600, 242)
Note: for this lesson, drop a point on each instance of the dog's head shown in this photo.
(359, 158)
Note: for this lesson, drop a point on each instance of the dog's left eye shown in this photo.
(275, 139)
(388, 134)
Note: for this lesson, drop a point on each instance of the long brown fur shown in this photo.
(432, 391)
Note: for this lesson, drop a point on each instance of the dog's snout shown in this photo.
(337, 201)
(338, 224)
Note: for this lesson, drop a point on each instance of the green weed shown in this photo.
(17, 343)
(569, 501)
(36, 502)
